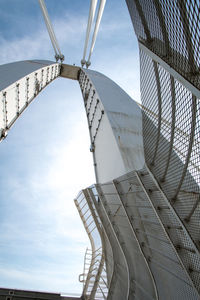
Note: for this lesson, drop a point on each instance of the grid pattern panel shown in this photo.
(176, 162)
(162, 245)
(118, 282)
(144, 223)
(171, 114)
(116, 206)
(171, 30)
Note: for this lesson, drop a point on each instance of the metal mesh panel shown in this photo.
(137, 269)
(171, 114)
(171, 144)
(176, 163)
(147, 230)
(118, 282)
(172, 32)
(135, 13)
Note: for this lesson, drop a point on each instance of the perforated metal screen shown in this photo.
(148, 233)
(168, 33)
(171, 30)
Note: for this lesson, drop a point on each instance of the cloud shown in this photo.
(42, 236)
(38, 44)
(42, 229)
(51, 281)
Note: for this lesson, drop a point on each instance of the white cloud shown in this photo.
(51, 281)
(38, 44)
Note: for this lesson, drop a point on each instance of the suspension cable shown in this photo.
(96, 29)
(49, 25)
(93, 4)
(58, 54)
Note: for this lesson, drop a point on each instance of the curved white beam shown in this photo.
(20, 83)
(115, 125)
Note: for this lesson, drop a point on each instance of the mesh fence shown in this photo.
(171, 30)
(150, 238)
(171, 114)
(171, 141)
(171, 109)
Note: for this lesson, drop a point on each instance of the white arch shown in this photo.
(20, 83)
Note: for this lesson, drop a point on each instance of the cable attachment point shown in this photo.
(88, 63)
(62, 58)
(58, 54)
(83, 62)
(3, 134)
(59, 57)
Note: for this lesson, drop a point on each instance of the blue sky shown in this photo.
(45, 159)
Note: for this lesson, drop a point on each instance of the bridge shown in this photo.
(142, 214)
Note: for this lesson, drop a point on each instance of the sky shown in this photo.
(45, 159)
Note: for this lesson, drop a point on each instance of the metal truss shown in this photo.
(17, 94)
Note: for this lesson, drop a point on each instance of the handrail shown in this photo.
(93, 274)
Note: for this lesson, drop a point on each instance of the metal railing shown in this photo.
(150, 237)
(94, 276)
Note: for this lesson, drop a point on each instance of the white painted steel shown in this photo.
(20, 83)
(96, 29)
(12, 72)
(117, 134)
(120, 280)
(93, 4)
(125, 207)
(58, 54)
(161, 221)
(175, 74)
